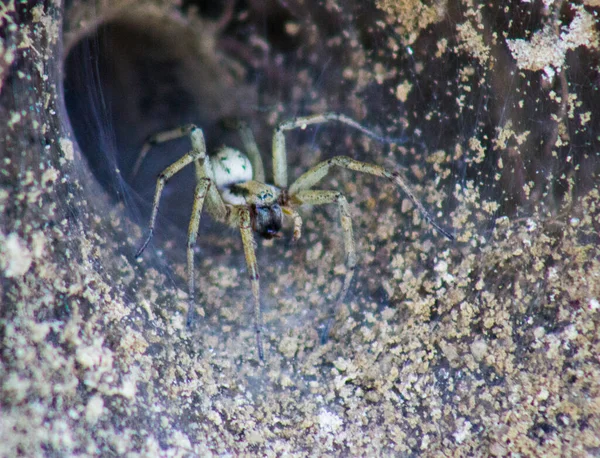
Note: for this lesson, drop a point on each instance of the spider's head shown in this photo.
(264, 202)
(267, 220)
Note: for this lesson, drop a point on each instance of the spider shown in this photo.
(233, 187)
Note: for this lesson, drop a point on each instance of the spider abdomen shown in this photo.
(230, 166)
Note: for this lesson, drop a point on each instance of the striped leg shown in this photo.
(327, 197)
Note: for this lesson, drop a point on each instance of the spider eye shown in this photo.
(267, 220)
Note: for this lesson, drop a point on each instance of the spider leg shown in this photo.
(315, 174)
(314, 197)
(215, 205)
(248, 242)
(279, 149)
(199, 196)
(204, 192)
(251, 149)
(197, 153)
(289, 211)
(160, 137)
